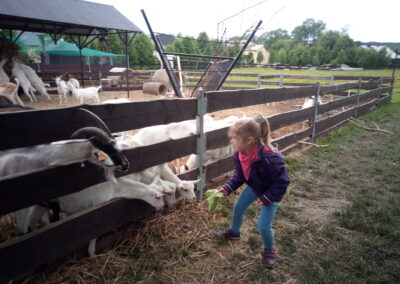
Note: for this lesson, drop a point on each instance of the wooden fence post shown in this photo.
(358, 98)
(316, 103)
(281, 76)
(201, 140)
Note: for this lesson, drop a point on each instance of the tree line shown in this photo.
(310, 43)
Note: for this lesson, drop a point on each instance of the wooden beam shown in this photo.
(336, 104)
(21, 129)
(326, 123)
(234, 99)
(22, 190)
(287, 118)
(328, 89)
(54, 241)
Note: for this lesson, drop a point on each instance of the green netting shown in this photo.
(63, 48)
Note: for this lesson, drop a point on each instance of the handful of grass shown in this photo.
(212, 198)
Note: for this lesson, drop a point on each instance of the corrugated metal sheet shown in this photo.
(70, 16)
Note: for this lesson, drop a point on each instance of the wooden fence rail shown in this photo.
(49, 243)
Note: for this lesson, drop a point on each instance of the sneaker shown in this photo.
(228, 234)
(269, 258)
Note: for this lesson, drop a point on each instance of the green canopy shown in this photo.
(61, 48)
(66, 48)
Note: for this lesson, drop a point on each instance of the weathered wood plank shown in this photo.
(328, 89)
(384, 99)
(367, 107)
(217, 138)
(234, 99)
(326, 123)
(219, 167)
(50, 243)
(310, 77)
(336, 104)
(28, 128)
(27, 189)
(287, 118)
(290, 139)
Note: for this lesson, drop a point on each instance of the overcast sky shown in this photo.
(365, 20)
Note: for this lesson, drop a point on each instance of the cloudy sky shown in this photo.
(365, 20)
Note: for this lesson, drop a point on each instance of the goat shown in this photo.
(62, 89)
(87, 93)
(6, 105)
(116, 101)
(94, 144)
(3, 75)
(184, 189)
(10, 90)
(35, 80)
(23, 80)
(73, 82)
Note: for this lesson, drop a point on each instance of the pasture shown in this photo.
(339, 222)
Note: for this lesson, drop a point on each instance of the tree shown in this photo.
(341, 58)
(141, 51)
(250, 58)
(309, 31)
(203, 43)
(269, 38)
(260, 57)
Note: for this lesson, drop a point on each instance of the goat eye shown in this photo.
(185, 190)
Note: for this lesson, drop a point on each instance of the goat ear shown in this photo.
(195, 181)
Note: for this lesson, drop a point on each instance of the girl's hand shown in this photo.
(223, 191)
(259, 203)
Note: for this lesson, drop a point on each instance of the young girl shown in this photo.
(264, 172)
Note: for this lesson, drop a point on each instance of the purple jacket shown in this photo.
(268, 176)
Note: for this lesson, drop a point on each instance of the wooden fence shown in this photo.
(54, 241)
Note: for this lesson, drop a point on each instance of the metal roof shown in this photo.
(74, 17)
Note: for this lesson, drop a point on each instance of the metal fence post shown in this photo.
(316, 103)
(258, 81)
(358, 98)
(281, 76)
(379, 93)
(201, 141)
(332, 80)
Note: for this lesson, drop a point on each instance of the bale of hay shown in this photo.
(154, 88)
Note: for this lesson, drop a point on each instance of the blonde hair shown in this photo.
(265, 131)
(246, 127)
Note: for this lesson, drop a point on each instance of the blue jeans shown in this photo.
(267, 214)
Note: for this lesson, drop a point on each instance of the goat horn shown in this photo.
(99, 122)
(88, 132)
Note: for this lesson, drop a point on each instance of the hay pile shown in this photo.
(174, 247)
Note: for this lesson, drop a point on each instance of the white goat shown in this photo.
(209, 156)
(74, 82)
(3, 75)
(182, 188)
(62, 89)
(310, 102)
(10, 90)
(86, 93)
(25, 159)
(117, 101)
(35, 80)
(18, 72)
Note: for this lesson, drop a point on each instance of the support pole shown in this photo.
(201, 141)
(80, 59)
(258, 81)
(281, 76)
(127, 62)
(316, 103)
(393, 73)
(358, 97)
